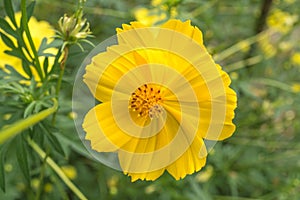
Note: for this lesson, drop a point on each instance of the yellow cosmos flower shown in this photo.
(296, 58)
(281, 21)
(38, 30)
(163, 98)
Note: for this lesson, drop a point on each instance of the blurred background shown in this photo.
(256, 41)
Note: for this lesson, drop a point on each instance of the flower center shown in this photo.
(146, 101)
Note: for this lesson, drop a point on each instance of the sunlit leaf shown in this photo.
(10, 11)
(7, 41)
(46, 65)
(26, 68)
(30, 9)
(4, 25)
(16, 53)
(56, 63)
(55, 43)
(13, 72)
(43, 46)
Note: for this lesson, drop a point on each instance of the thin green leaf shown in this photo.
(43, 46)
(88, 42)
(10, 11)
(26, 68)
(75, 145)
(80, 46)
(3, 150)
(57, 43)
(2, 174)
(38, 137)
(52, 139)
(30, 9)
(15, 53)
(46, 65)
(56, 62)
(19, 87)
(38, 107)
(22, 158)
(4, 25)
(32, 85)
(7, 41)
(29, 109)
(56, 144)
(48, 54)
(13, 72)
(24, 24)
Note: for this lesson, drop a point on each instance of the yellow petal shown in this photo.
(149, 176)
(178, 151)
(133, 25)
(230, 104)
(102, 131)
(191, 161)
(106, 69)
(186, 28)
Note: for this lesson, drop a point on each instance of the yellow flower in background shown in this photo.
(149, 17)
(69, 171)
(267, 46)
(244, 46)
(156, 15)
(162, 96)
(48, 187)
(38, 30)
(205, 175)
(296, 87)
(35, 183)
(156, 2)
(281, 21)
(285, 46)
(296, 58)
(234, 75)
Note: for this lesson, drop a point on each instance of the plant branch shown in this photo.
(24, 24)
(61, 74)
(56, 169)
(238, 46)
(21, 125)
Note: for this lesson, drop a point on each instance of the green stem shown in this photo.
(61, 74)
(56, 168)
(24, 24)
(41, 178)
(244, 63)
(261, 21)
(62, 70)
(274, 83)
(237, 47)
(260, 24)
(21, 125)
